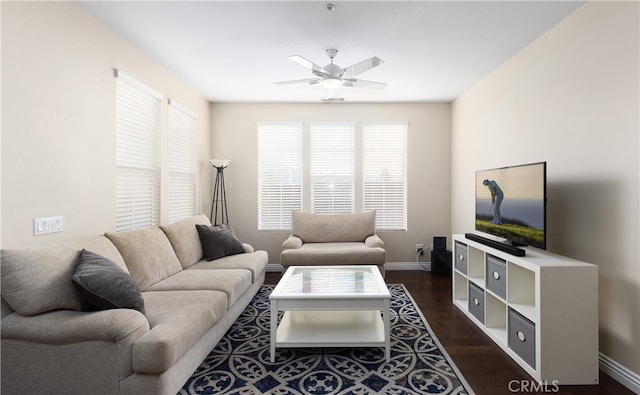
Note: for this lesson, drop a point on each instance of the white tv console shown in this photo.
(541, 309)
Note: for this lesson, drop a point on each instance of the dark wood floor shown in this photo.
(487, 369)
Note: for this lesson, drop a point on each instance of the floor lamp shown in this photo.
(219, 199)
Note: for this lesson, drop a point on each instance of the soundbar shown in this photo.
(509, 249)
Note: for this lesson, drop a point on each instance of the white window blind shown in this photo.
(182, 200)
(385, 173)
(332, 168)
(137, 154)
(279, 173)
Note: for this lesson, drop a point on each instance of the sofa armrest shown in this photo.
(96, 347)
(248, 248)
(67, 327)
(292, 242)
(374, 241)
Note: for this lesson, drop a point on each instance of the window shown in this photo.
(339, 154)
(279, 173)
(332, 168)
(181, 162)
(137, 154)
(384, 147)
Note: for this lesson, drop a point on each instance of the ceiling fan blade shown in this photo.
(361, 67)
(310, 81)
(307, 64)
(356, 83)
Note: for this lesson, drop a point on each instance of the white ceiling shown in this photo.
(232, 51)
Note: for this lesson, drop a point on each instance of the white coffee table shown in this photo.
(330, 306)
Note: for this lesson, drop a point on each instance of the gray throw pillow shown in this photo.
(218, 241)
(104, 285)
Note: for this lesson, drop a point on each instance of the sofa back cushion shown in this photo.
(185, 240)
(318, 228)
(38, 279)
(148, 255)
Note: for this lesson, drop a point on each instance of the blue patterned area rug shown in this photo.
(239, 364)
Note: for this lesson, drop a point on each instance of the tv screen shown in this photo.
(511, 203)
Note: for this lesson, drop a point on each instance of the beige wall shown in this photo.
(235, 137)
(58, 119)
(571, 99)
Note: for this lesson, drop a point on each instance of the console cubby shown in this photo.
(475, 269)
(496, 317)
(521, 285)
(541, 309)
(460, 289)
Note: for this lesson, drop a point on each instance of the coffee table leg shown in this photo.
(387, 330)
(274, 328)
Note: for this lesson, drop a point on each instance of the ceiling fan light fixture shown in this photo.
(332, 83)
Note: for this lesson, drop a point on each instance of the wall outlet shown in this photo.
(419, 247)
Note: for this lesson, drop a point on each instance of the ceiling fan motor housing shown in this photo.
(333, 69)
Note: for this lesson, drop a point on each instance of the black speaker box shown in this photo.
(439, 243)
(441, 262)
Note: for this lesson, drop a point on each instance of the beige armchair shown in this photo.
(337, 239)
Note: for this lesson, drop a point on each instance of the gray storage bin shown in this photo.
(461, 257)
(476, 301)
(522, 337)
(497, 276)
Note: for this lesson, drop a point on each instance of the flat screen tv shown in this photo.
(511, 204)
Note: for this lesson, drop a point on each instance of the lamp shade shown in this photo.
(219, 163)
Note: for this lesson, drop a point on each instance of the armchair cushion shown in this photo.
(314, 228)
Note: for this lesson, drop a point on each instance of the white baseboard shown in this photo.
(620, 373)
(424, 266)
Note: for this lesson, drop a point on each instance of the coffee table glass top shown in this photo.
(310, 281)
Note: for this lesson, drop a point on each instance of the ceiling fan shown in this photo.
(333, 76)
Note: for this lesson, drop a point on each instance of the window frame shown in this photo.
(384, 167)
(280, 173)
(332, 167)
(138, 145)
(181, 197)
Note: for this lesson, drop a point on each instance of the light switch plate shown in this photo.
(45, 225)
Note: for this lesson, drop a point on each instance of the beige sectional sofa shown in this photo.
(52, 344)
(337, 239)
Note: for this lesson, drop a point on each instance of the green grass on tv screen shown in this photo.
(512, 232)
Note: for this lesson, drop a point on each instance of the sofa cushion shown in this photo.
(185, 240)
(178, 319)
(38, 279)
(233, 282)
(318, 228)
(218, 241)
(148, 255)
(255, 262)
(105, 285)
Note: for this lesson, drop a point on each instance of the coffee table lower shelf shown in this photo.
(339, 328)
